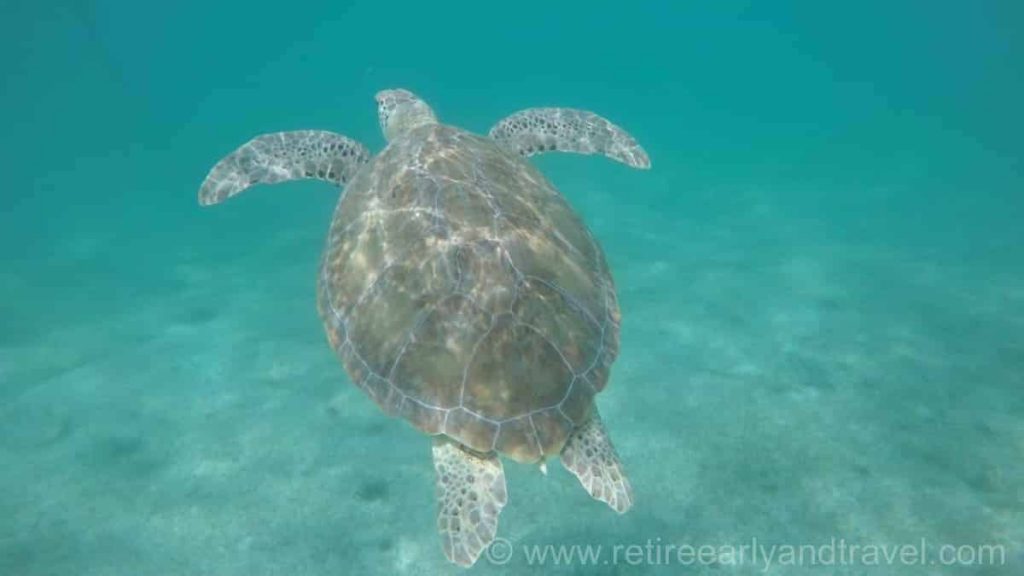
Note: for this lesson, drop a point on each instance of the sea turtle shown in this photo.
(462, 293)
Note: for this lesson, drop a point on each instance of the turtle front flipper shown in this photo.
(537, 130)
(589, 454)
(284, 156)
(470, 495)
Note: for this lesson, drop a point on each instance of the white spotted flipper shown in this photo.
(537, 130)
(284, 156)
(470, 495)
(589, 454)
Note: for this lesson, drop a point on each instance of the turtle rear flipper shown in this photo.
(589, 454)
(470, 496)
(284, 156)
(537, 130)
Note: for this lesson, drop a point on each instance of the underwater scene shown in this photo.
(398, 287)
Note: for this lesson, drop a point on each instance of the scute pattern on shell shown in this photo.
(463, 293)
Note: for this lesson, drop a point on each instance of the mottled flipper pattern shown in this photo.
(470, 495)
(537, 130)
(589, 454)
(283, 156)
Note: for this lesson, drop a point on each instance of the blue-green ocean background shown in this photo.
(822, 280)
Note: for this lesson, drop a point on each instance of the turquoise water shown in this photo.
(821, 279)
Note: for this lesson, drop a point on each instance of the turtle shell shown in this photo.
(462, 293)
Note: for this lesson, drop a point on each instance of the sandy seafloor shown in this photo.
(823, 326)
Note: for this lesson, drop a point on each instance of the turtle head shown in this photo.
(400, 111)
